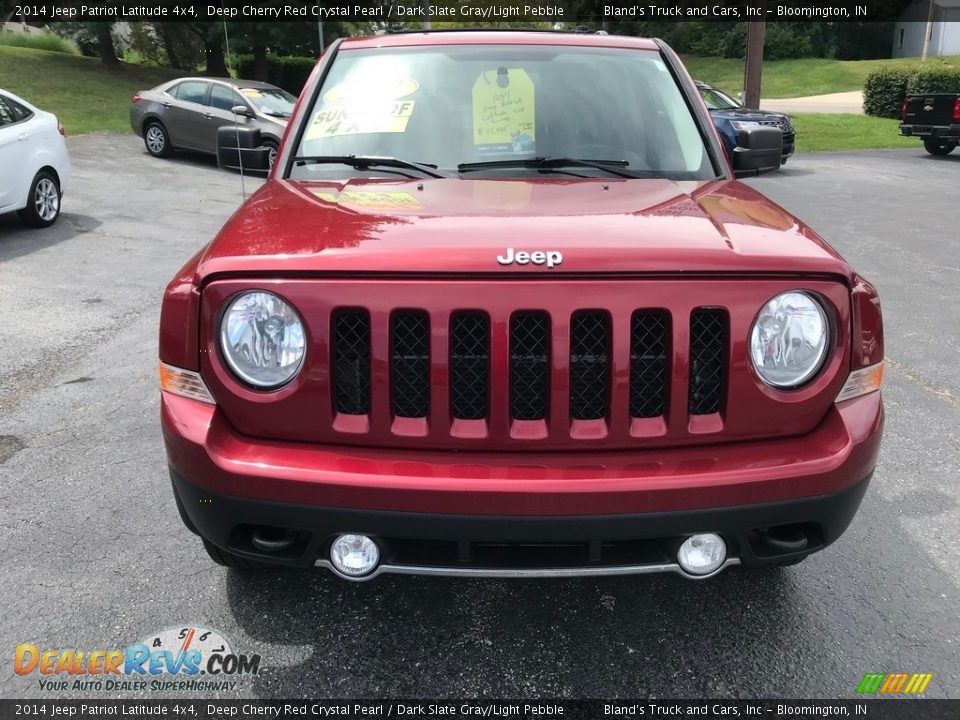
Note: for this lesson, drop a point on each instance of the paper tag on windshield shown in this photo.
(504, 113)
(373, 106)
(391, 117)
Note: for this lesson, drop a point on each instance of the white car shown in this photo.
(34, 164)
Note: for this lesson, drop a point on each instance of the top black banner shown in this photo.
(394, 12)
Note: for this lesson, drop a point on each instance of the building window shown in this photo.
(900, 37)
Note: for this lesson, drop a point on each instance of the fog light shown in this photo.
(702, 554)
(354, 555)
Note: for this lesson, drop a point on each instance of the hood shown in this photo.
(462, 226)
(281, 121)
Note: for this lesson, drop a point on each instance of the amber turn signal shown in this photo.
(862, 381)
(187, 383)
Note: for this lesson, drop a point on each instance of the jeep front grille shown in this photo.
(590, 366)
(648, 363)
(708, 345)
(530, 364)
(351, 361)
(410, 364)
(536, 365)
(469, 366)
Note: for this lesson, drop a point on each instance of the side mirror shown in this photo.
(236, 144)
(241, 110)
(758, 151)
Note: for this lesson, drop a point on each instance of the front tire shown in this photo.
(43, 201)
(938, 148)
(156, 140)
(273, 148)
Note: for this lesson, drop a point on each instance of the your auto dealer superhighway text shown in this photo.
(396, 709)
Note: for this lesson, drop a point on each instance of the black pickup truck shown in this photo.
(935, 118)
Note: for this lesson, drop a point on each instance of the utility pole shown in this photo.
(320, 27)
(426, 14)
(928, 35)
(754, 64)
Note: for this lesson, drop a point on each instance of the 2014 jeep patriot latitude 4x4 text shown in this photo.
(501, 308)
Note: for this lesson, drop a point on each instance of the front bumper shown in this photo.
(789, 144)
(522, 513)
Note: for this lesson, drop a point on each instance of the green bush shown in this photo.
(884, 90)
(39, 41)
(934, 80)
(288, 72)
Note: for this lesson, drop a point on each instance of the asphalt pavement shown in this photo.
(95, 556)
(843, 102)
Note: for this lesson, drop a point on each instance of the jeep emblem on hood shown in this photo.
(551, 258)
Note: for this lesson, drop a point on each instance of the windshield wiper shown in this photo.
(545, 163)
(363, 162)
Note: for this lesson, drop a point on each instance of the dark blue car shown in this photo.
(730, 117)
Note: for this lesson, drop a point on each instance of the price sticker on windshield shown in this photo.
(374, 106)
(334, 122)
(504, 112)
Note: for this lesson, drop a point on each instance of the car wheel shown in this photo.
(156, 140)
(783, 160)
(272, 156)
(938, 148)
(228, 559)
(43, 201)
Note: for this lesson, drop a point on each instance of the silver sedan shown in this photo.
(184, 114)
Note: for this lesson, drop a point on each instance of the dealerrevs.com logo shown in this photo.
(172, 659)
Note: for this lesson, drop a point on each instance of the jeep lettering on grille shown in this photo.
(551, 258)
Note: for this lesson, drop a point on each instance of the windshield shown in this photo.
(449, 106)
(270, 101)
(716, 100)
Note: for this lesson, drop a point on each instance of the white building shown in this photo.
(912, 24)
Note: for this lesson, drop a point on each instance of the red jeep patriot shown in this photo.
(502, 309)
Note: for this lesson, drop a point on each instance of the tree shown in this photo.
(7, 8)
(95, 39)
(210, 37)
(108, 54)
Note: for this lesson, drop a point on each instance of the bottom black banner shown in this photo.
(891, 709)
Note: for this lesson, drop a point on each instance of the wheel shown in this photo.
(273, 148)
(783, 160)
(43, 201)
(938, 148)
(228, 559)
(156, 140)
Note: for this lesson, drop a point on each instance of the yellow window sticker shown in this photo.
(365, 105)
(390, 117)
(371, 200)
(504, 112)
(251, 92)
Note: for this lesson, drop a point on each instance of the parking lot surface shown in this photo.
(95, 556)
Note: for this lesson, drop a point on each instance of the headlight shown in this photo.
(743, 124)
(262, 339)
(788, 342)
